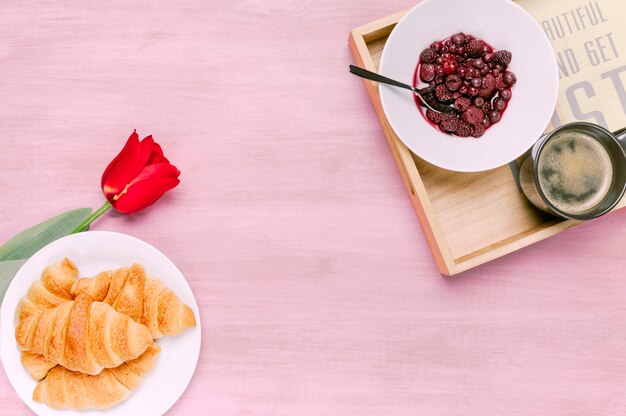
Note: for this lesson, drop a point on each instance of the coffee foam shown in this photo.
(575, 172)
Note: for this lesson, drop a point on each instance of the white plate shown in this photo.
(95, 251)
(504, 25)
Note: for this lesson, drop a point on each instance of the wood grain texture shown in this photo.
(317, 290)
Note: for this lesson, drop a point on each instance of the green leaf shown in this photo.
(29, 241)
(8, 269)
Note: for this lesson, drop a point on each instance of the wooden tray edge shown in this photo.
(401, 154)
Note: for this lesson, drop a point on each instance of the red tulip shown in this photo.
(138, 176)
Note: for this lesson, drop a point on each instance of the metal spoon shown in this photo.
(426, 95)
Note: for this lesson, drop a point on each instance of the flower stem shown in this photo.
(85, 224)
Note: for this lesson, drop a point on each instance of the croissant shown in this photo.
(83, 335)
(65, 389)
(36, 365)
(145, 299)
(52, 289)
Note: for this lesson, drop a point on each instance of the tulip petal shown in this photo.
(158, 170)
(157, 155)
(130, 147)
(143, 194)
(126, 165)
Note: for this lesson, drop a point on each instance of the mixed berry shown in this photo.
(469, 74)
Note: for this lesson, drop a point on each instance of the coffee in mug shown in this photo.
(575, 172)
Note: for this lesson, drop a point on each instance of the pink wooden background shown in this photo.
(317, 289)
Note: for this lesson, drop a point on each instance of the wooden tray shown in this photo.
(468, 218)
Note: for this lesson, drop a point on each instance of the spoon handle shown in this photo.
(372, 76)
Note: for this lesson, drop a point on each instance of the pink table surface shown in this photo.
(317, 290)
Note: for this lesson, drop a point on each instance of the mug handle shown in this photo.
(621, 137)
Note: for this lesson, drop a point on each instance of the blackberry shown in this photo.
(475, 48)
(502, 58)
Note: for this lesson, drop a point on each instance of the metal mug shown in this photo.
(614, 143)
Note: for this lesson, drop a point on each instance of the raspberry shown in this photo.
(473, 115)
(434, 116)
(488, 86)
(428, 56)
(442, 93)
(500, 84)
(475, 48)
(462, 104)
(453, 82)
(478, 130)
(450, 124)
(464, 130)
(427, 72)
(486, 108)
(502, 58)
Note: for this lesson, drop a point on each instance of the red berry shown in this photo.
(488, 86)
(475, 48)
(453, 82)
(478, 130)
(427, 72)
(463, 130)
(462, 104)
(499, 104)
(494, 116)
(450, 65)
(478, 63)
(428, 56)
(473, 115)
(505, 94)
(458, 39)
(450, 124)
(434, 116)
(442, 93)
(509, 78)
(502, 58)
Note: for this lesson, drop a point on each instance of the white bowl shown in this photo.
(502, 24)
